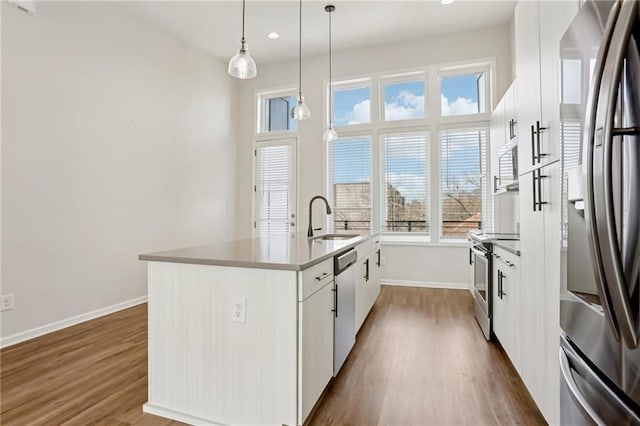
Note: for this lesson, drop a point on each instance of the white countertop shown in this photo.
(293, 253)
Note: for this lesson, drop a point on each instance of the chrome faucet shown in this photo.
(310, 230)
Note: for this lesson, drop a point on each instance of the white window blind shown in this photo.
(349, 183)
(405, 183)
(274, 190)
(464, 192)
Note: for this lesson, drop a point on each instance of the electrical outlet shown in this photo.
(6, 302)
(239, 309)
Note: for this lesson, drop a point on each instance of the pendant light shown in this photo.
(330, 134)
(301, 111)
(242, 65)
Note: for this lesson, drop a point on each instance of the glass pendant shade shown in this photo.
(330, 134)
(301, 111)
(242, 65)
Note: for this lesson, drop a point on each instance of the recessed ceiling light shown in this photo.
(446, 1)
(273, 35)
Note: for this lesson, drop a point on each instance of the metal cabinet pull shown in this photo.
(540, 177)
(378, 262)
(535, 198)
(323, 276)
(538, 131)
(335, 299)
(366, 275)
(533, 146)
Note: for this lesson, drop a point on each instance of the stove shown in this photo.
(480, 249)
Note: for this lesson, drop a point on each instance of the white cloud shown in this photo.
(361, 113)
(405, 106)
(459, 106)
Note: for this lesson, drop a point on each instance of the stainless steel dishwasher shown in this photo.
(344, 306)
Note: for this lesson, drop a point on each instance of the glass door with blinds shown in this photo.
(464, 188)
(275, 188)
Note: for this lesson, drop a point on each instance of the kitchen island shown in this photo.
(242, 332)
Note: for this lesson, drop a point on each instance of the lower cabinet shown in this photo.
(368, 274)
(506, 300)
(316, 357)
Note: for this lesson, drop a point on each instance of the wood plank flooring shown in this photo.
(419, 359)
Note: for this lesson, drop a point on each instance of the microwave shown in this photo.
(507, 178)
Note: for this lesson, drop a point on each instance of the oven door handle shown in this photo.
(479, 252)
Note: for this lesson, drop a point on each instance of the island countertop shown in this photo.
(292, 253)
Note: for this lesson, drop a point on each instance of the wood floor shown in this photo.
(419, 359)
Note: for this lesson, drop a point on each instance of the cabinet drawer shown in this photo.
(314, 278)
(505, 260)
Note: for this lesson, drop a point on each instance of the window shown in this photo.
(405, 183)
(464, 195)
(350, 183)
(275, 112)
(275, 187)
(404, 100)
(463, 94)
(351, 104)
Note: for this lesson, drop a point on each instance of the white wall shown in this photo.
(485, 43)
(117, 139)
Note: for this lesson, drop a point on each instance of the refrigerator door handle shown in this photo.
(576, 395)
(610, 246)
(571, 361)
(588, 172)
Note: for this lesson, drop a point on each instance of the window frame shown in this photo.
(463, 69)
(348, 84)
(398, 78)
(260, 114)
(487, 189)
(431, 123)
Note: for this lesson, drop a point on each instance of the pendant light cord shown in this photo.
(300, 56)
(330, 81)
(243, 9)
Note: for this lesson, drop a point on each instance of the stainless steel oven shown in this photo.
(480, 257)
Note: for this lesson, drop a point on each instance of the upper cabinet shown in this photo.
(538, 29)
(527, 49)
(504, 167)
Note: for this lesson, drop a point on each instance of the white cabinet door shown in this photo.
(510, 113)
(551, 297)
(316, 335)
(361, 291)
(498, 139)
(506, 318)
(530, 329)
(527, 50)
(555, 18)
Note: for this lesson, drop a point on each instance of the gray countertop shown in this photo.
(512, 246)
(284, 252)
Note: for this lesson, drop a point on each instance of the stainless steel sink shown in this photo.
(332, 237)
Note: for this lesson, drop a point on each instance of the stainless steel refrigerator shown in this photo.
(600, 128)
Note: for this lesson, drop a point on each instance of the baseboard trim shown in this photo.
(59, 325)
(167, 413)
(426, 284)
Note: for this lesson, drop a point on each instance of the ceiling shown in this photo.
(215, 26)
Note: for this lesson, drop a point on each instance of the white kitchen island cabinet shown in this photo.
(242, 332)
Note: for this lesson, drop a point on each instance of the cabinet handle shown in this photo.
(538, 131)
(539, 179)
(366, 275)
(512, 129)
(499, 284)
(335, 300)
(535, 198)
(495, 183)
(533, 146)
(378, 263)
(470, 256)
(323, 276)
(509, 264)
